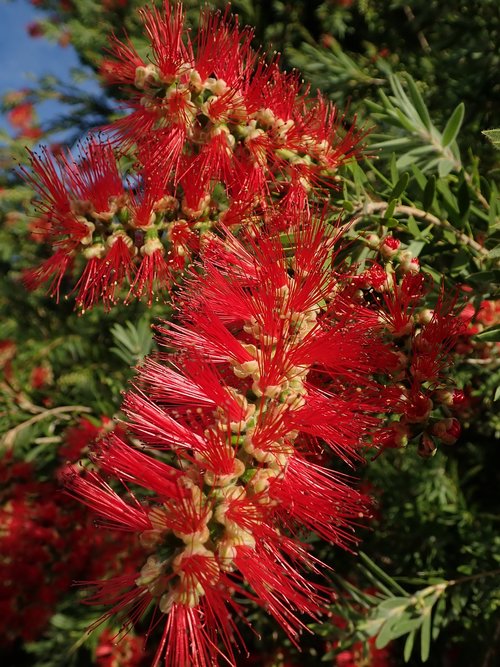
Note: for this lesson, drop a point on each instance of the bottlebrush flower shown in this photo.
(423, 341)
(80, 436)
(35, 29)
(226, 478)
(213, 91)
(41, 377)
(214, 131)
(22, 116)
(95, 216)
(364, 654)
(274, 354)
(447, 430)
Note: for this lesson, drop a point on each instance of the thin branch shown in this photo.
(9, 438)
(420, 35)
(481, 198)
(473, 577)
(370, 208)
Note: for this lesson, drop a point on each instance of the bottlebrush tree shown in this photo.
(293, 342)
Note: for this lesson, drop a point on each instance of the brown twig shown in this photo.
(426, 47)
(370, 208)
(9, 438)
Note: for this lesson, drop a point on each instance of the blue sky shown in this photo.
(23, 58)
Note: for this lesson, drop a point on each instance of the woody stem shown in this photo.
(369, 208)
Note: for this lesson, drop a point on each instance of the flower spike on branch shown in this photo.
(214, 131)
(230, 420)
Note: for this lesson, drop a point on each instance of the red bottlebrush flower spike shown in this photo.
(55, 201)
(98, 219)
(230, 427)
(432, 345)
(213, 132)
(401, 302)
(52, 271)
(45, 545)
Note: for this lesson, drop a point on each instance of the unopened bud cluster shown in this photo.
(424, 339)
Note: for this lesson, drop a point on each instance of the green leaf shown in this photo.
(385, 635)
(132, 341)
(400, 186)
(419, 103)
(415, 155)
(410, 640)
(419, 176)
(493, 136)
(392, 222)
(460, 262)
(390, 209)
(405, 625)
(394, 603)
(413, 227)
(485, 277)
(450, 236)
(438, 617)
(448, 196)
(425, 636)
(415, 247)
(490, 335)
(429, 192)
(383, 576)
(494, 253)
(463, 198)
(453, 125)
(404, 122)
(360, 597)
(392, 166)
(445, 166)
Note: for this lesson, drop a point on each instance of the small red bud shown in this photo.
(390, 246)
(418, 409)
(426, 446)
(447, 430)
(452, 398)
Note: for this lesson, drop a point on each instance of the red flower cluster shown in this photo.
(274, 355)
(214, 132)
(44, 547)
(22, 117)
(263, 378)
(475, 321)
(423, 340)
(364, 655)
(79, 437)
(127, 653)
